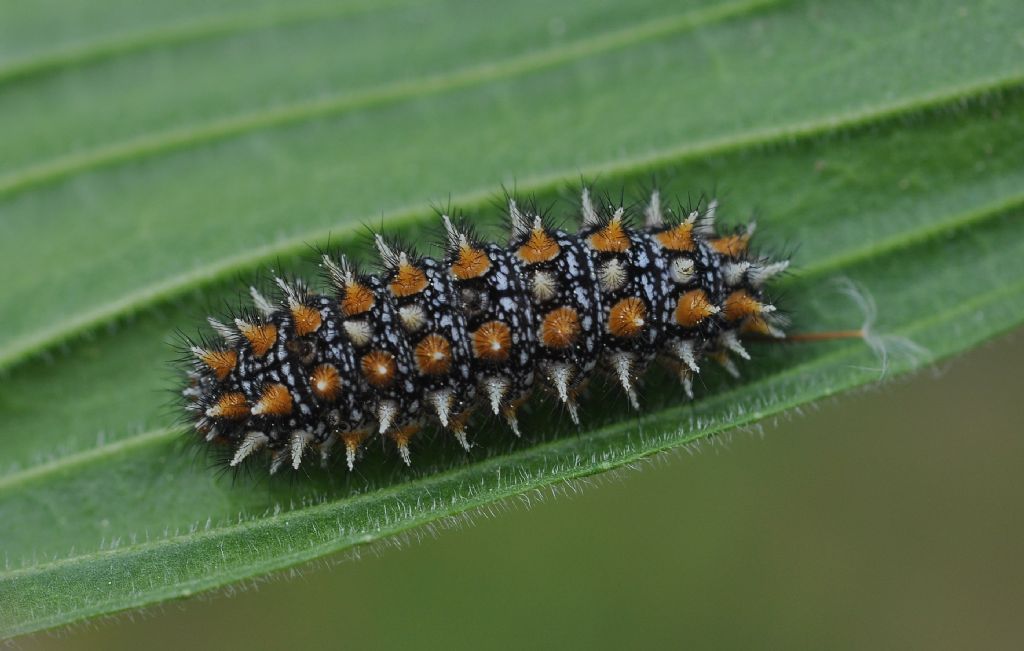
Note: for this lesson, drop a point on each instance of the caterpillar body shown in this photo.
(428, 342)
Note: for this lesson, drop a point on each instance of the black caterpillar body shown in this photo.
(427, 342)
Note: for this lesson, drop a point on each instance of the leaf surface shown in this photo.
(154, 164)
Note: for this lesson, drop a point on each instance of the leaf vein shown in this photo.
(889, 246)
(23, 347)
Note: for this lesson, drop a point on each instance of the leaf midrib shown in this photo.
(227, 24)
(424, 483)
(404, 90)
(955, 96)
(538, 451)
(888, 246)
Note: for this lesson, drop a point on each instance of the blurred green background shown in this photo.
(888, 519)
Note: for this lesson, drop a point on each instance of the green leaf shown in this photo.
(156, 156)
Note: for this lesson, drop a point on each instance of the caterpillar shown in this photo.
(429, 342)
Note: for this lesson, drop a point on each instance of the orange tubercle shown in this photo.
(221, 362)
(409, 281)
(276, 400)
(307, 319)
(732, 245)
(677, 238)
(492, 341)
(627, 317)
(358, 299)
(261, 337)
(433, 355)
(404, 435)
(693, 307)
(560, 328)
(740, 304)
(326, 382)
(756, 325)
(352, 440)
(230, 405)
(611, 239)
(379, 368)
(541, 247)
(471, 263)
